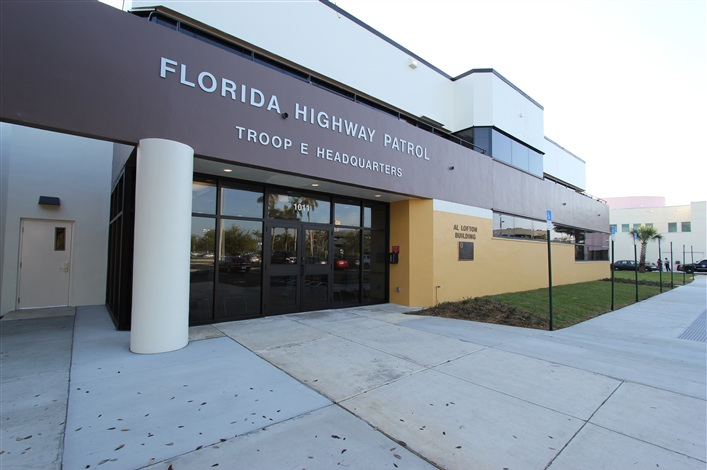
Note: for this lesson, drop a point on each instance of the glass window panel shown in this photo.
(241, 238)
(241, 202)
(520, 156)
(240, 262)
(316, 247)
(685, 226)
(501, 147)
(375, 216)
(347, 214)
(283, 292)
(535, 163)
(562, 234)
(203, 197)
(523, 228)
(284, 245)
(315, 291)
(497, 224)
(299, 207)
(625, 228)
(539, 230)
(59, 238)
(672, 227)
(375, 264)
(482, 139)
(347, 266)
(506, 225)
(201, 277)
(367, 216)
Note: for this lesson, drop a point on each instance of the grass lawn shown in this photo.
(571, 304)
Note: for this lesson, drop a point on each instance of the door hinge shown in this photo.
(18, 301)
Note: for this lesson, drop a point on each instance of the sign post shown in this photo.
(549, 262)
(670, 266)
(613, 260)
(635, 261)
(660, 267)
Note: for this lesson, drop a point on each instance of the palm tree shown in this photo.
(644, 234)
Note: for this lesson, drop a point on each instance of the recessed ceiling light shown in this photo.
(377, 195)
(227, 170)
(315, 184)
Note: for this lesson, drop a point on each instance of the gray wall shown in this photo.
(78, 171)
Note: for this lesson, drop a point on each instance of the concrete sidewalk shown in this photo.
(368, 387)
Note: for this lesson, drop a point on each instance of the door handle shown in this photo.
(65, 268)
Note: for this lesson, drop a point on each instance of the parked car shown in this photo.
(235, 264)
(630, 265)
(624, 265)
(699, 267)
(652, 267)
(341, 263)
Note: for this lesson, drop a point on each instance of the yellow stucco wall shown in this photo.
(429, 271)
(411, 229)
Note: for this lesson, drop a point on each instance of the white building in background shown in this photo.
(684, 226)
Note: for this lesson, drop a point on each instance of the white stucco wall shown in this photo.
(78, 171)
(563, 165)
(485, 99)
(660, 217)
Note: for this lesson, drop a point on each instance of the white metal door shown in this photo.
(45, 263)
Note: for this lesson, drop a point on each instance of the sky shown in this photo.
(623, 83)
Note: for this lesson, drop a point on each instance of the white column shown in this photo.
(160, 309)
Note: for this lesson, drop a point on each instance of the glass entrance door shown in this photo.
(298, 275)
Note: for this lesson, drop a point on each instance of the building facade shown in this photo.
(683, 229)
(256, 169)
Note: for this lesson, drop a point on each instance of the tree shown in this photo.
(645, 234)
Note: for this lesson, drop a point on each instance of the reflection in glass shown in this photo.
(203, 197)
(299, 207)
(241, 202)
(59, 238)
(347, 266)
(501, 147)
(374, 261)
(520, 156)
(316, 247)
(240, 261)
(283, 293)
(375, 216)
(315, 291)
(201, 278)
(284, 245)
(347, 214)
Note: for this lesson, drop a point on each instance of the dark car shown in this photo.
(237, 264)
(699, 267)
(624, 265)
(630, 265)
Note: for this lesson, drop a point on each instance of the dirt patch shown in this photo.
(485, 310)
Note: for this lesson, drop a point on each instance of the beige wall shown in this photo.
(430, 272)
